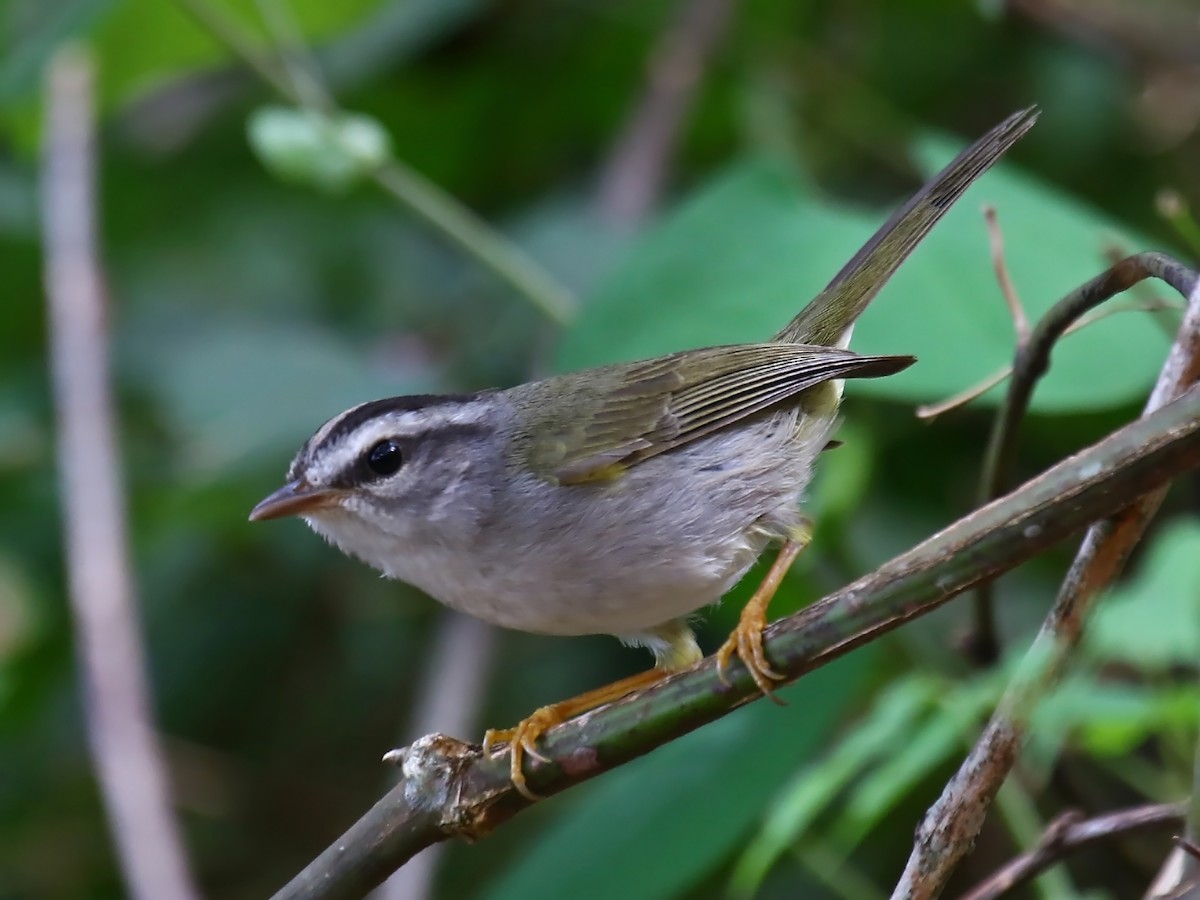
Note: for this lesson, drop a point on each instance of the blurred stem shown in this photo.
(112, 661)
(633, 179)
(1192, 832)
(407, 186)
(1068, 833)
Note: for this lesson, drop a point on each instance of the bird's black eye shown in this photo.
(385, 458)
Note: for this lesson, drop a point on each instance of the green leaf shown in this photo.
(840, 484)
(308, 148)
(240, 393)
(23, 439)
(144, 42)
(673, 816)
(1153, 620)
(737, 260)
(952, 727)
(892, 716)
(1111, 718)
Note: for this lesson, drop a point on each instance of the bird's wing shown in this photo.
(629, 412)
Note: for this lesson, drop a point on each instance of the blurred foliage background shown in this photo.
(254, 295)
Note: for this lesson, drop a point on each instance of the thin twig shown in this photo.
(451, 789)
(1068, 833)
(983, 644)
(633, 179)
(128, 761)
(1007, 288)
(449, 700)
(950, 827)
(403, 183)
(1150, 304)
(1032, 361)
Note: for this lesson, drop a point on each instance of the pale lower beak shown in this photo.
(293, 499)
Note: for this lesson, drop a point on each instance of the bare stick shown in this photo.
(1007, 288)
(450, 789)
(951, 825)
(632, 181)
(128, 761)
(931, 411)
(1071, 832)
(1180, 871)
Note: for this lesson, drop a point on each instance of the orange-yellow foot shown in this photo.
(747, 638)
(522, 740)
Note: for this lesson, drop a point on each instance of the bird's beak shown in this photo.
(293, 499)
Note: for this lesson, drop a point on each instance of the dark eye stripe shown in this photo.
(355, 418)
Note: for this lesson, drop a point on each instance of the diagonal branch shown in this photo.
(450, 789)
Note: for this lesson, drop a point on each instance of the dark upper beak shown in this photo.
(293, 499)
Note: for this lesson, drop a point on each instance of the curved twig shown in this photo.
(1031, 362)
(1068, 833)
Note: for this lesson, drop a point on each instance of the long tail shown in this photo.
(827, 317)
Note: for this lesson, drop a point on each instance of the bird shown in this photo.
(619, 499)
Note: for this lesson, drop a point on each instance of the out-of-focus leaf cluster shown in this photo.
(248, 307)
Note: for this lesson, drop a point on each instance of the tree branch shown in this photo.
(128, 761)
(1071, 832)
(450, 789)
(456, 675)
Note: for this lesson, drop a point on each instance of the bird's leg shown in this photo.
(747, 638)
(675, 649)
(522, 739)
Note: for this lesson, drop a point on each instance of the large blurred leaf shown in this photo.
(740, 258)
(139, 42)
(673, 816)
(237, 392)
(889, 723)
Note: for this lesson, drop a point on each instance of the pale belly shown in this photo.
(668, 537)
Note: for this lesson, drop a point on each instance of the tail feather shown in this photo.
(830, 314)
